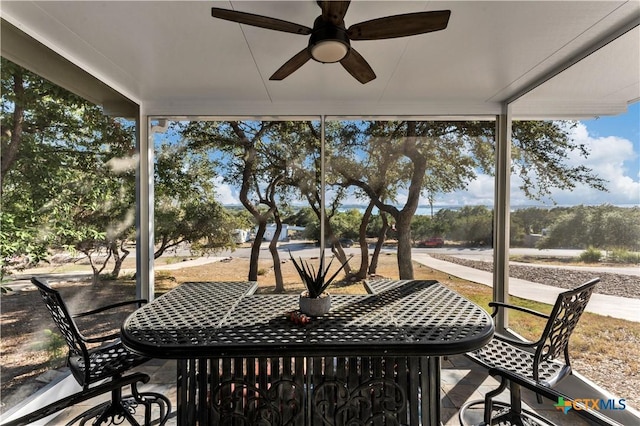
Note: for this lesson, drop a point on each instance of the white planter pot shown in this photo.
(315, 307)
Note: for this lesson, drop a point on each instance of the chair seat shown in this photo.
(498, 353)
(104, 362)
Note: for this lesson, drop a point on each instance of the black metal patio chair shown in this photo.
(541, 364)
(99, 369)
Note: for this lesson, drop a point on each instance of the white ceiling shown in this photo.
(173, 58)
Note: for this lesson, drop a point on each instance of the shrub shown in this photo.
(623, 256)
(53, 343)
(591, 255)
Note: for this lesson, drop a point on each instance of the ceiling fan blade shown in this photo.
(259, 21)
(334, 11)
(292, 65)
(400, 25)
(358, 67)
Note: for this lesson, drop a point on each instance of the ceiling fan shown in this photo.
(330, 41)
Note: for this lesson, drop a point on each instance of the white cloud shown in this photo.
(225, 193)
(479, 192)
(123, 164)
(608, 158)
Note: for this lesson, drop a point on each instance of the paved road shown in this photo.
(617, 307)
(613, 306)
(480, 254)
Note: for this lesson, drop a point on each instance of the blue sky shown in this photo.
(626, 126)
(614, 145)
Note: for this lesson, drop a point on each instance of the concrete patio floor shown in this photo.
(462, 381)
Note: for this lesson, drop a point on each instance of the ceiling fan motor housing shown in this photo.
(328, 43)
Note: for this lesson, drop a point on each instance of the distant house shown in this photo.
(240, 236)
(284, 233)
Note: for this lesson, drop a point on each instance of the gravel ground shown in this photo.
(610, 284)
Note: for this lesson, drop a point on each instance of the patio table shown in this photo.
(374, 357)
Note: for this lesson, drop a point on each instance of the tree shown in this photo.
(68, 180)
(605, 227)
(264, 160)
(59, 154)
(473, 225)
(303, 216)
(422, 227)
(400, 156)
(186, 209)
(439, 157)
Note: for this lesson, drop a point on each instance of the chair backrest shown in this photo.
(562, 321)
(61, 316)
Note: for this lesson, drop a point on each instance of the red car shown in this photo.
(432, 242)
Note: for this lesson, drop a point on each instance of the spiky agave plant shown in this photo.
(316, 281)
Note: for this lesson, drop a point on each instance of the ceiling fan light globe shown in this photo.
(329, 51)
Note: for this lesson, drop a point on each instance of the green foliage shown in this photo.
(620, 255)
(423, 227)
(68, 178)
(532, 220)
(603, 227)
(591, 255)
(316, 281)
(304, 216)
(20, 246)
(473, 226)
(346, 224)
(68, 173)
(53, 343)
(68, 181)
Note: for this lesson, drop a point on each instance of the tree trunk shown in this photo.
(95, 279)
(119, 260)
(330, 236)
(382, 236)
(255, 249)
(273, 248)
(405, 264)
(404, 216)
(364, 249)
(336, 248)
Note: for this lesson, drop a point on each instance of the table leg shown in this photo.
(181, 383)
(433, 396)
(188, 385)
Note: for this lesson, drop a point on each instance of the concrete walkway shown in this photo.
(612, 306)
(23, 280)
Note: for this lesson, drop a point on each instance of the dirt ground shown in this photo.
(29, 349)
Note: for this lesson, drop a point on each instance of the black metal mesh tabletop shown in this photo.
(209, 319)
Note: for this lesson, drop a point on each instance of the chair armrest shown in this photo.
(528, 383)
(497, 305)
(100, 339)
(139, 302)
(110, 336)
(516, 342)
